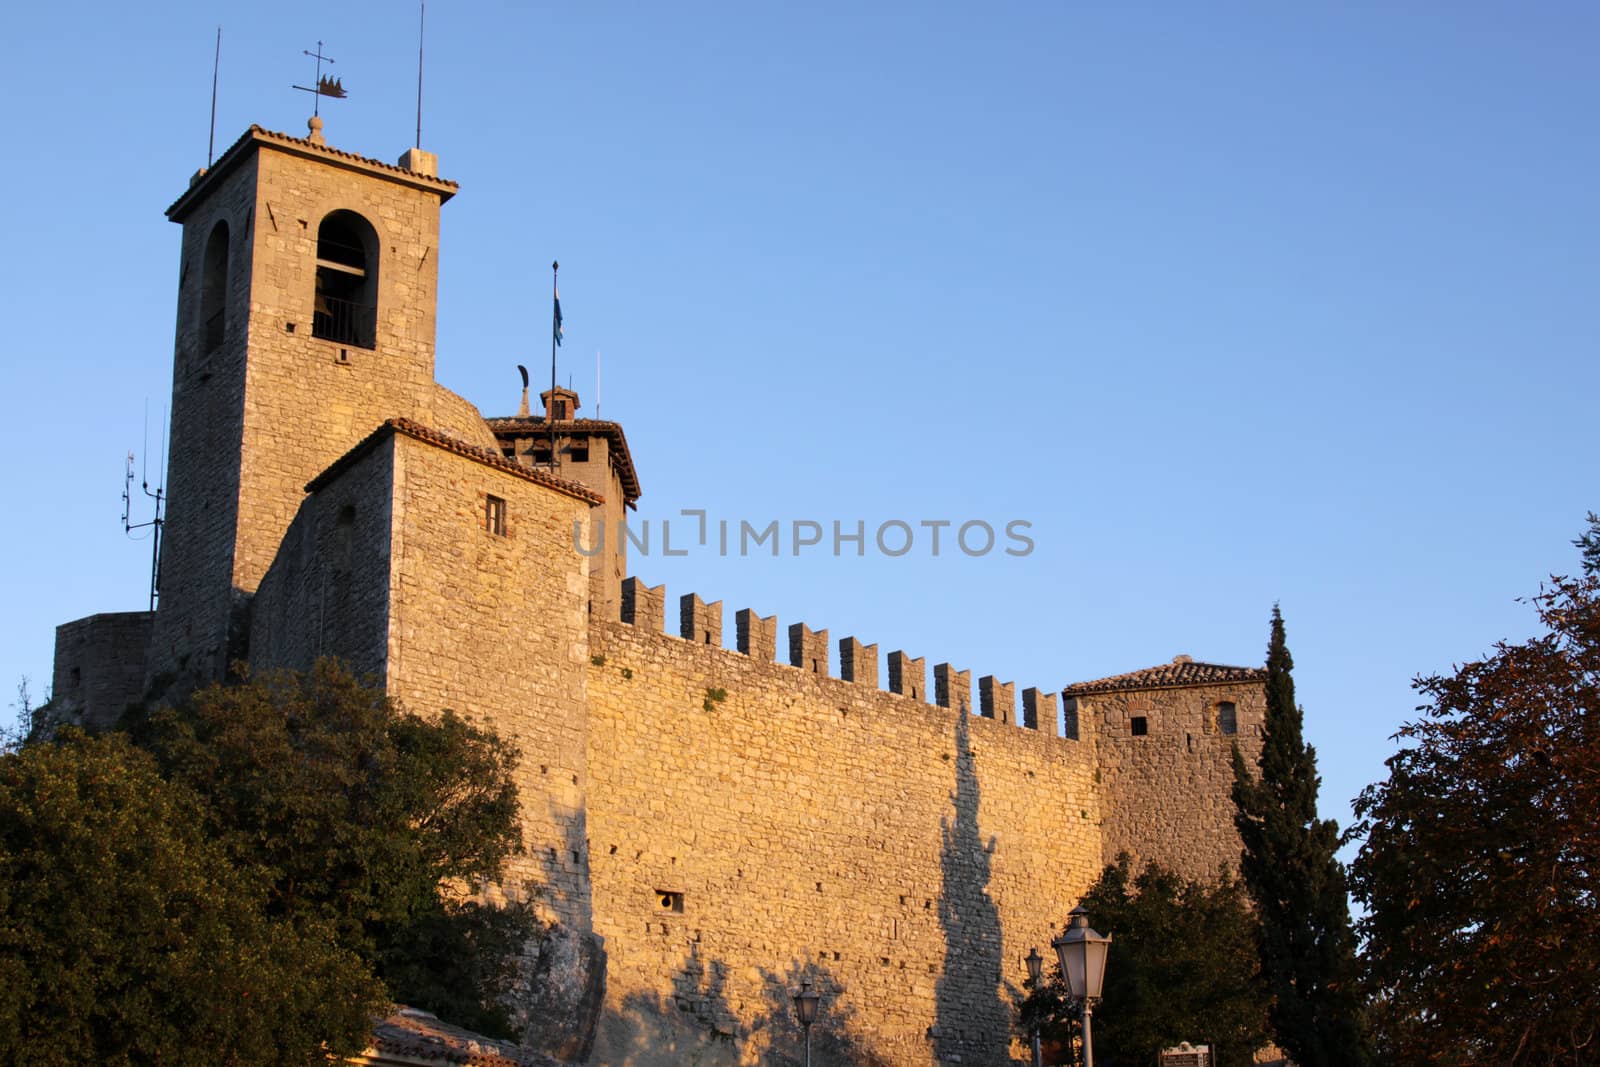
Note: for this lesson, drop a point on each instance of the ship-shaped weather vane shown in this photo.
(325, 85)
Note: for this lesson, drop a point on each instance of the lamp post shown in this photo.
(805, 1006)
(1035, 972)
(1082, 955)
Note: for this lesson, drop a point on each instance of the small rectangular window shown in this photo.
(669, 900)
(494, 515)
(1227, 717)
(1141, 726)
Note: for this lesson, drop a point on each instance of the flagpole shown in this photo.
(550, 408)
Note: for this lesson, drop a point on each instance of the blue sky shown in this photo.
(1236, 303)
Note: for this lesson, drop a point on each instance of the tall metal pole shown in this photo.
(550, 408)
(1088, 1040)
(422, 17)
(216, 64)
(808, 1045)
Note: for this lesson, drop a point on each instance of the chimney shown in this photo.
(559, 404)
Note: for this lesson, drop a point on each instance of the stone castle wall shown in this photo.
(327, 592)
(1167, 795)
(99, 668)
(753, 823)
(496, 627)
(190, 634)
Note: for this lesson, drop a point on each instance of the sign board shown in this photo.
(1186, 1055)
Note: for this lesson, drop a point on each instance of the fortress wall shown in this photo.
(495, 628)
(902, 855)
(1167, 795)
(327, 592)
(99, 668)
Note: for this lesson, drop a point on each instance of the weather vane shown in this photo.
(325, 86)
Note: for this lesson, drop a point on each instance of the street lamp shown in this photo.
(805, 1006)
(1035, 972)
(1082, 955)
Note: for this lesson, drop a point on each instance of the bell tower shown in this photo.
(307, 284)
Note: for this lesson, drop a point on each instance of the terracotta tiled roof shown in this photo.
(428, 435)
(534, 425)
(417, 1035)
(260, 135)
(1182, 671)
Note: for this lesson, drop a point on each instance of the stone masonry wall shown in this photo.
(327, 592)
(190, 633)
(99, 668)
(752, 824)
(256, 420)
(495, 627)
(310, 400)
(1167, 794)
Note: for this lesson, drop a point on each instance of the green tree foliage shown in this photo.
(128, 937)
(1307, 946)
(1182, 968)
(365, 818)
(1480, 871)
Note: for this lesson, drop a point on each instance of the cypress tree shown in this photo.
(1306, 943)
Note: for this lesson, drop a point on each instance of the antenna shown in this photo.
(158, 518)
(216, 64)
(597, 383)
(422, 18)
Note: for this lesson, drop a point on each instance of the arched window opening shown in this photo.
(346, 307)
(214, 290)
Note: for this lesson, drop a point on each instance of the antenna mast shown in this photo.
(159, 497)
(216, 64)
(422, 18)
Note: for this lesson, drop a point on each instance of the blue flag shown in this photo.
(557, 327)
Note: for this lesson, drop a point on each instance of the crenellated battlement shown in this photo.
(997, 700)
(858, 662)
(908, 676)
(1040, 707)
(810, 651)
(698, 621)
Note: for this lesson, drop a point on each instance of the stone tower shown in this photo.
(306, 308)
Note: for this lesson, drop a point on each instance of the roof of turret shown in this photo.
(428, 435)
(1181, 672)
(535, 426)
